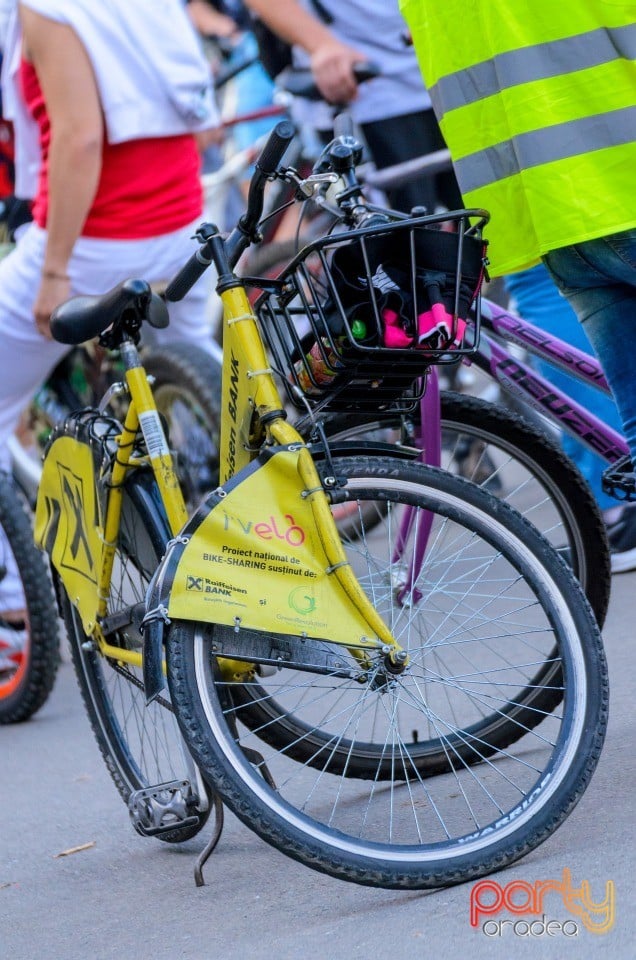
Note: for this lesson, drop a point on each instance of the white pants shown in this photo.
(27, 358)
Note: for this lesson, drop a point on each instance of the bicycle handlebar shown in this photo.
(343, 125)
(408, 171)
(272, 153)
(188, 275)
(301, 83)
(245, 232)
(274, 150)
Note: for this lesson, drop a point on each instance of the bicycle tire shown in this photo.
(187, 391)
(312, 816)
(141, 745)
(527, 469)
(31, 665)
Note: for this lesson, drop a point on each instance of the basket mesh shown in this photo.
(357, 317)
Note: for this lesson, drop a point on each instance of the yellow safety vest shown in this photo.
(537, 102)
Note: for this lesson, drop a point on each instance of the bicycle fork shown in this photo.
(418, 523)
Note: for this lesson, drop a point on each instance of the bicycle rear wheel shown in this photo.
(460, 772)
(141, 745)
(29, 645)
(187, 391)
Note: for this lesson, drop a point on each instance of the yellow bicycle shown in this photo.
(350, 639)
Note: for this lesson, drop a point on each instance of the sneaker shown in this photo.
(12, 643)
(622, 540)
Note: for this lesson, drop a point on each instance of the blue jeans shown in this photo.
(598, 278)
(537, 299)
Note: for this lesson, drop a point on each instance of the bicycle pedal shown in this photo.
(163, 808)
(619, 480)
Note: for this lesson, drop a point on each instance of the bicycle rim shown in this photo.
(141, 745)
(489, 601)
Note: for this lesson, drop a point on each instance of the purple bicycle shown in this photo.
(503, 451)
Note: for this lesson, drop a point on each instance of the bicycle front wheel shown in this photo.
(141, 745)
(458, 772)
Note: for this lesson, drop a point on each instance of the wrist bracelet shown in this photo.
(55, 275)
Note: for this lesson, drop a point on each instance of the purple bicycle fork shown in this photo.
(429, 441)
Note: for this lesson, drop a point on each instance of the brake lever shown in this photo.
(307, 187)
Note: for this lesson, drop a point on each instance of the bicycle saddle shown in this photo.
(126, 307)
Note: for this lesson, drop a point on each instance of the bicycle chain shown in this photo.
(138, 683)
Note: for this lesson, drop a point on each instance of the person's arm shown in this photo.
(75, 153)
(208, 21)
(331, 60)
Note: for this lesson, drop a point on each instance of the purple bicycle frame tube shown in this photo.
(430, 443)
(521, 380)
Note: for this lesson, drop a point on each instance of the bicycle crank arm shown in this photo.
(128, 619)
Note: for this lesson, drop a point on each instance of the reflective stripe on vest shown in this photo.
(537, 103)
(529, 64)
(558, 142)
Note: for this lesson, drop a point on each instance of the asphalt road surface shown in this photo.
(126, 897)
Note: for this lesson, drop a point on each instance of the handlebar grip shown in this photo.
(273, 151)
(343, 125)
(301, 82)
(366, 71)
(190, 272)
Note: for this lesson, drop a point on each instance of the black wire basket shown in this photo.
(356, 318)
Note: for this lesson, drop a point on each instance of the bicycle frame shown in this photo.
(66, 504)
(519, 379)
(253, 411)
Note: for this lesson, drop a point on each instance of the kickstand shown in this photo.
(254, 757)
(207, 851)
